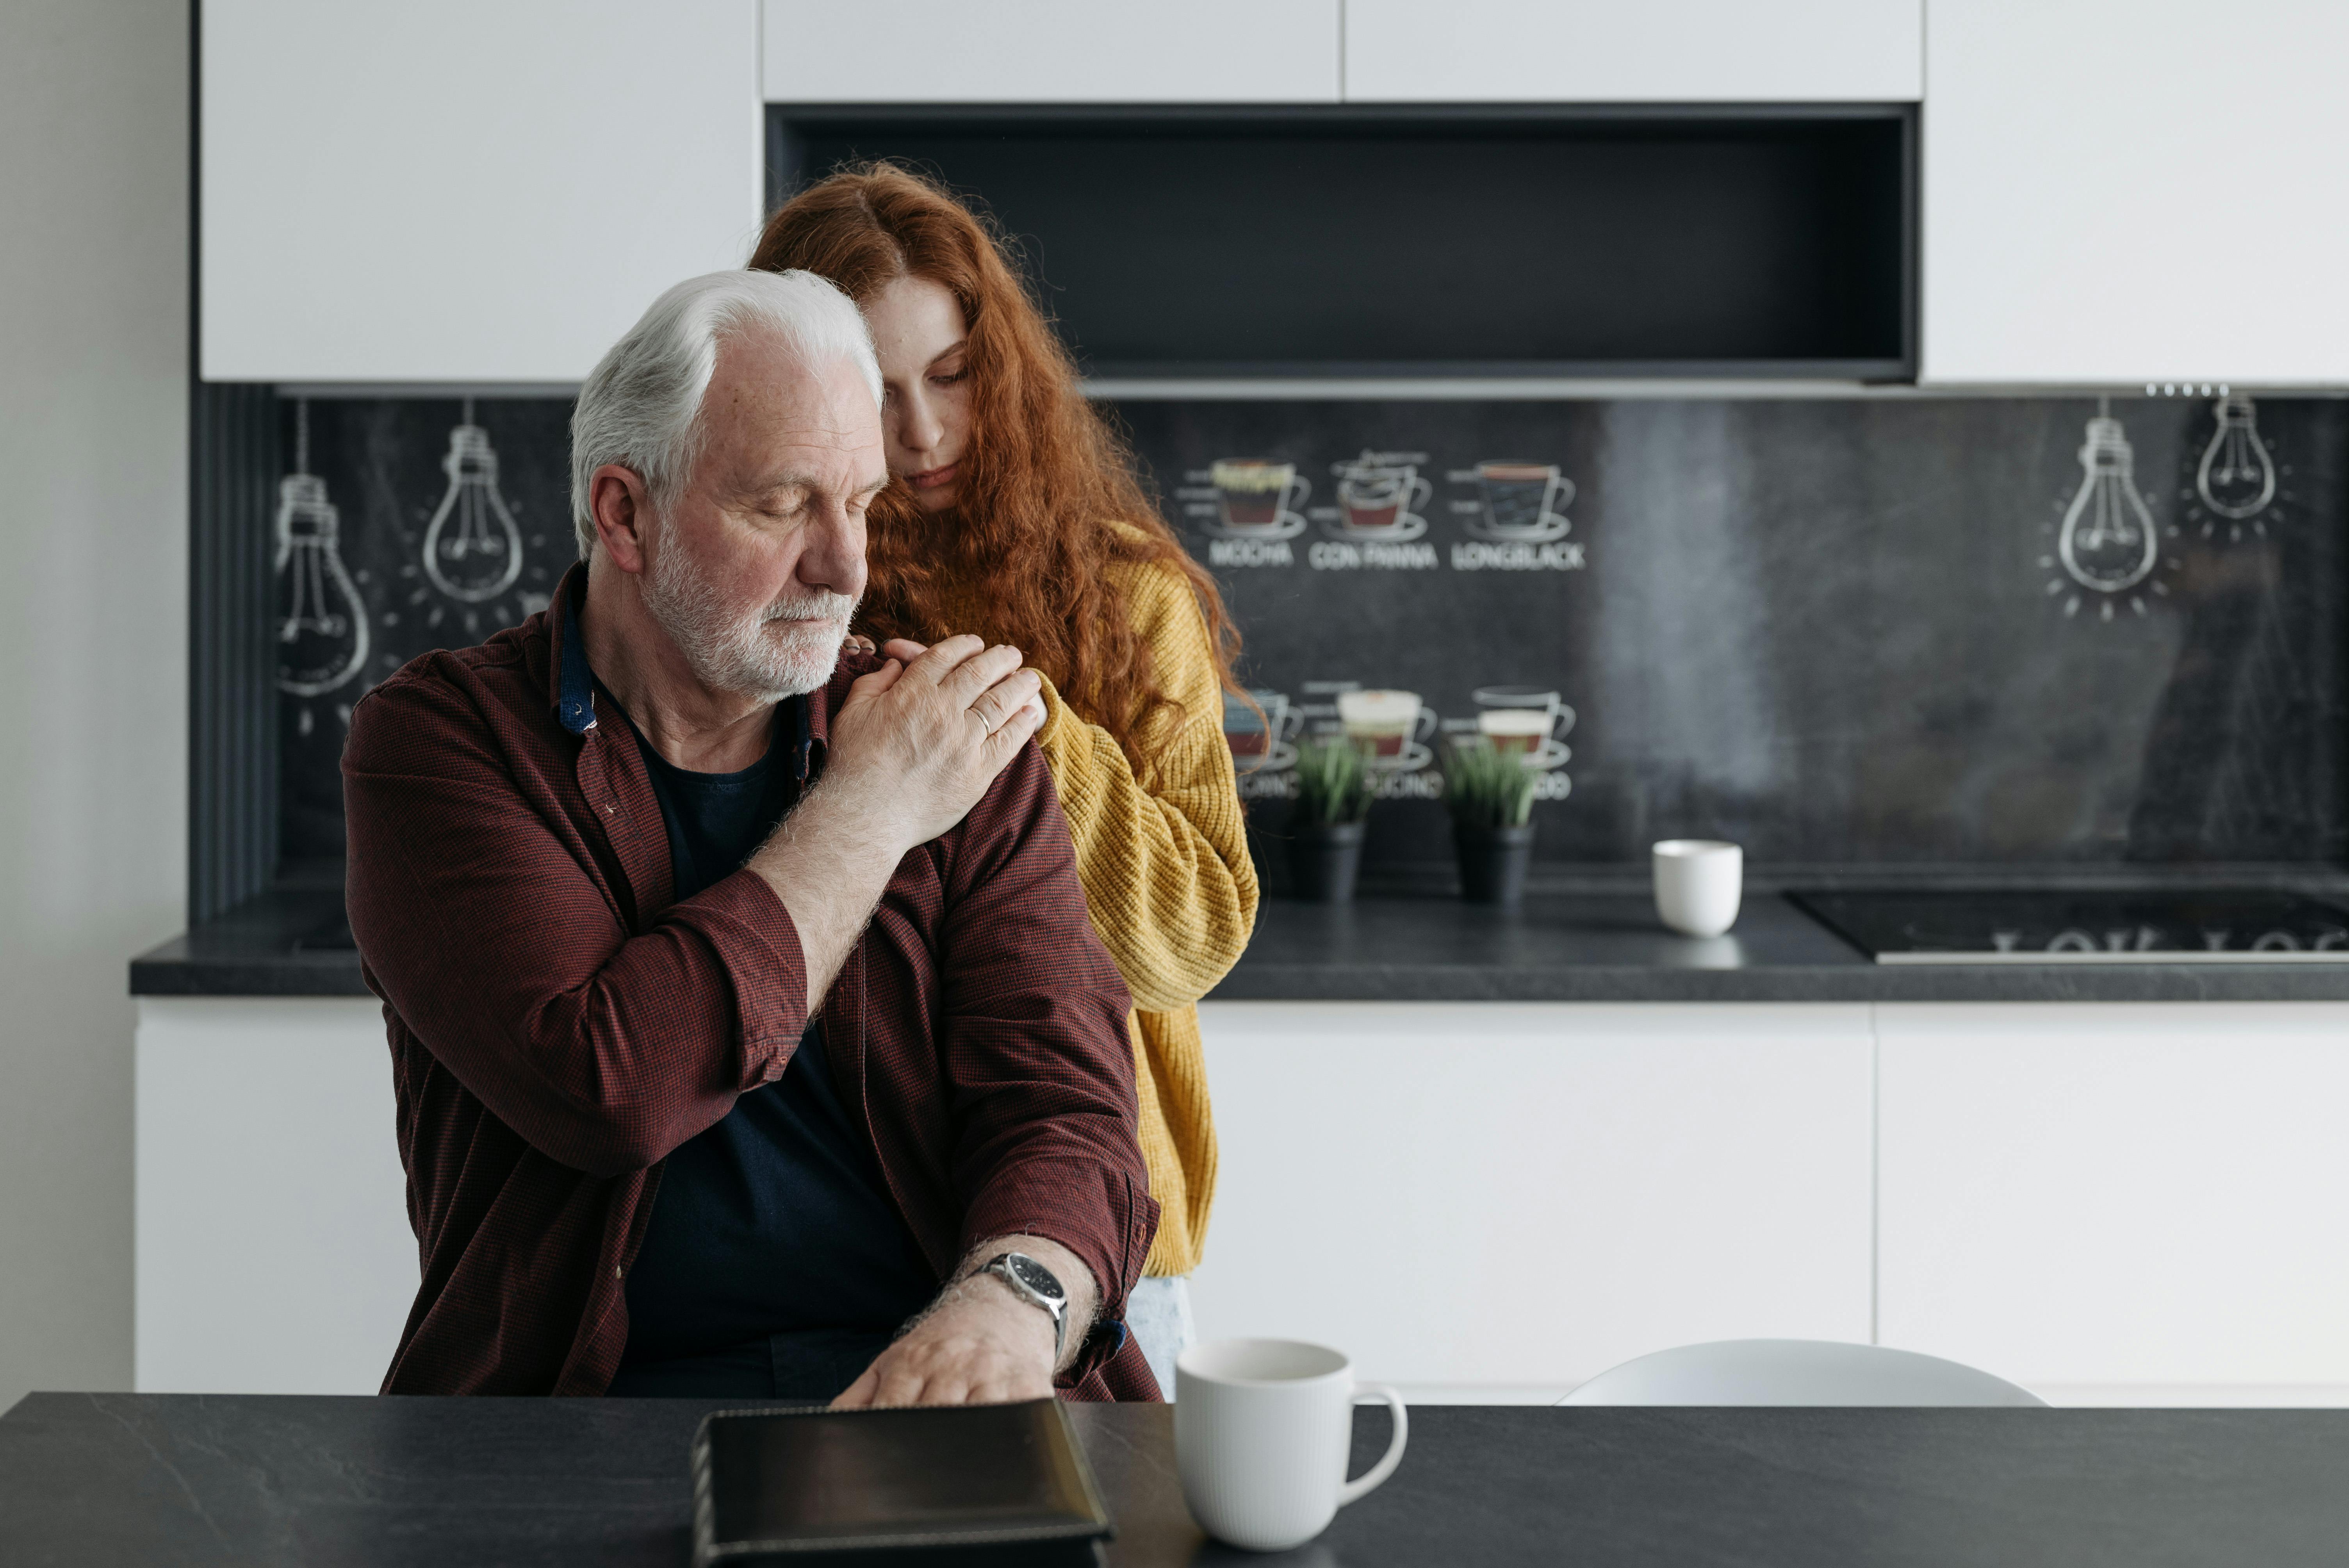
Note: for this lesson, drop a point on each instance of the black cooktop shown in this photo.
(2041, 927)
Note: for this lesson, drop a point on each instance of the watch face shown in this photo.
(1033, 1274)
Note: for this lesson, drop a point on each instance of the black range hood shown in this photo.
(1763, 242)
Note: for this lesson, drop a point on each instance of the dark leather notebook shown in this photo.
(964, 1486)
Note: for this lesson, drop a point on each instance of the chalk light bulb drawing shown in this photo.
(323, 641)
(472, 550)
(2236, 478)
(2109, 543)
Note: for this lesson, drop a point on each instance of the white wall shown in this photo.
(93, 671)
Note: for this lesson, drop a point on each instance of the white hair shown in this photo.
(641, 405)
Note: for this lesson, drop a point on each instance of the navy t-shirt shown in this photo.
(777, 1219)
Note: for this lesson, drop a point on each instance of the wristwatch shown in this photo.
(1031, 1282)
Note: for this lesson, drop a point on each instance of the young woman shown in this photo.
(1016, 515)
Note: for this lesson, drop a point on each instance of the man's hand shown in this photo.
(982, 1342)
(979, 1346)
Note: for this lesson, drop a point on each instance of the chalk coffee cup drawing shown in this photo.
(1375, 500)
(1389, 725)
(1699, 883)
(1258, 498)
(1262, 1430)
(1526, 720)
(1522, 501)
(1260, 741)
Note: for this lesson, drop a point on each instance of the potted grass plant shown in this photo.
(1490, 794)
(1334, 789)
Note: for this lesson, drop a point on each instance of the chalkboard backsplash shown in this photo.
(1839, 630)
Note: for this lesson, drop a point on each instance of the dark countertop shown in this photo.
(267, 947)
(108, 1480)
(1606, 946)
(1598, 941)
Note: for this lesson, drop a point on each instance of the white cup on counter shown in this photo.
(1699, 884)
(1262, 1432)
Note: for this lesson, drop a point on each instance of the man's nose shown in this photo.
(834, 555)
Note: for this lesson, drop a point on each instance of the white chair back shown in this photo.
(1796, 1372)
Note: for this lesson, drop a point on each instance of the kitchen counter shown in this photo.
(1596, 944)
(198, 1479)
(278, 945)
(1606, 946)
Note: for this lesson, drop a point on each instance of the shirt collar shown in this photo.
(574, 683)
(574, 680)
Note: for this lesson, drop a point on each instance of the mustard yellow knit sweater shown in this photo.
(1163, 854)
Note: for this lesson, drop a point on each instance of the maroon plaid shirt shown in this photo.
(558, 1025)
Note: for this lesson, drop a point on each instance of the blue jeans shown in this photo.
(1158, 1313)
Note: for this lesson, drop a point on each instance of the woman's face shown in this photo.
(917, 333)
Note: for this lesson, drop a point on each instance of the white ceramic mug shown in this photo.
(1698, 885)
(1262, 1430)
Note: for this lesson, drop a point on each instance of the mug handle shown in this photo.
(1292, 720)
(1304, 493)
(1562, 719)
(1370, 1478)
(1424, 724)
(1422, 490)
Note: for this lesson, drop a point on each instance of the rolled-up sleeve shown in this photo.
(1039, 1063)
(485, 922)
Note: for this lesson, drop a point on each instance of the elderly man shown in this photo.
(749, 1035)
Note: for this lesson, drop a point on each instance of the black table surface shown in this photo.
(1593, 943)
(101, 1480)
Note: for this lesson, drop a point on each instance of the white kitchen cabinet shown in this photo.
(1602, 51)
(1487, 1196)
(1050, 51)
(458, 191)
(2118, 192)
(2113, 1195)
(272, 1249)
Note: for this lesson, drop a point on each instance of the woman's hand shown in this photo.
(905, 650)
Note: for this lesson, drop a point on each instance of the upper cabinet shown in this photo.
(453, 190)
(1050, 51)
(1606, 51)
(2120, 191)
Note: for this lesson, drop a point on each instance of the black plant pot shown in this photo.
(1492, 862)
(1324, 859)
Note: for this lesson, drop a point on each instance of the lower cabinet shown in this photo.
(271, 1248)
(1490, 1200)
(1517, 1197)
(2113, 1197)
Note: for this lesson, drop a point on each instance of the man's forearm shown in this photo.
(829, 861)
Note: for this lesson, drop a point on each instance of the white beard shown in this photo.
(746, 652)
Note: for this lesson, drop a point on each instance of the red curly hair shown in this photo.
(1028, 545)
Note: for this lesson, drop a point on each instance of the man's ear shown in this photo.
(622, 507)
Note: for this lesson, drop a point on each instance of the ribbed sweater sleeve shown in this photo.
(1164, 855)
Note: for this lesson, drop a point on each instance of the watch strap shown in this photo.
(1054, 1306)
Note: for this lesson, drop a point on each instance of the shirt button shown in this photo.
(616, 1271)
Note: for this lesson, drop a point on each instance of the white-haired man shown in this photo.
(749, 1035)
